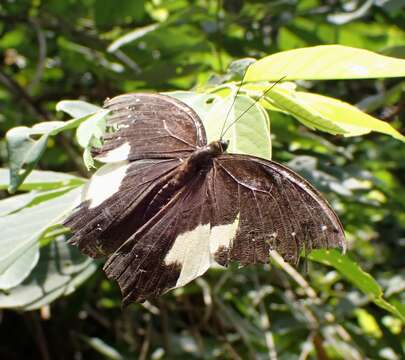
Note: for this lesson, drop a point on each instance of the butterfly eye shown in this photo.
(224, 144)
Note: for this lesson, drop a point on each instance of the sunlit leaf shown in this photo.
(94, 125)
(325, 62)
(368, 323)
(249, 135)
(247, 127)
(288, 102)
(76, 108)
(351, 119)
(347, 117)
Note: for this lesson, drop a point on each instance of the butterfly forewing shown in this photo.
(150, 126)
(114, 203)
(167, 205)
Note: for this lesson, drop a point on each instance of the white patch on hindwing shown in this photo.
(104, 183)
(120, 153)
(194, 250)
(222, 236)
(191, 251)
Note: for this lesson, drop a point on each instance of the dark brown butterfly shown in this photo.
(167, 204)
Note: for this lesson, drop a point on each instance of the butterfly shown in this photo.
(167, 205)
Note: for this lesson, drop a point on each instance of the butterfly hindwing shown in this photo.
(274, 208)
(169, 251)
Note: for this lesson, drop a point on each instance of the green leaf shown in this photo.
(352, 120)
(93, 126)
(22, 230)
(131, 36)
(89, 134)
(60, 270)
(353, 273)
(109, 12)
(325, 62)
(76, 108)
(249, 135)
(368, 323)
(42, 180)
(200, 103)
(26, 145)
(287, 101)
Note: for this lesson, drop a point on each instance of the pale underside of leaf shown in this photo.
(21, 230)
(60, 270)
(41, 180)
(77, 108)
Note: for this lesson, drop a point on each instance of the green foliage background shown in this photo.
(92, 49)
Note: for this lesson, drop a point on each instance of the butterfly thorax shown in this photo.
(203, 156)
(200, 161)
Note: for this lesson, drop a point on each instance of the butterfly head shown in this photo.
(216, 148)
(223, 144)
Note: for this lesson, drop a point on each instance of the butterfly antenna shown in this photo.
(233, 103)
(256, 101)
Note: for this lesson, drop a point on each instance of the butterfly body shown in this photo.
(167, 205)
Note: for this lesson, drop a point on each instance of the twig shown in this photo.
(45, 312)
(220, 35)
(165, 327)
(244, 335)
(127, 61)
(232, 352)
(207, 297)
(265, 322)
(295, 275)
(151, 308)
(73, 155)
(193, 328)
(146, 342)
(319, 348)
(21, 94)
(98, 316)
(38, 333)
(41, 55)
